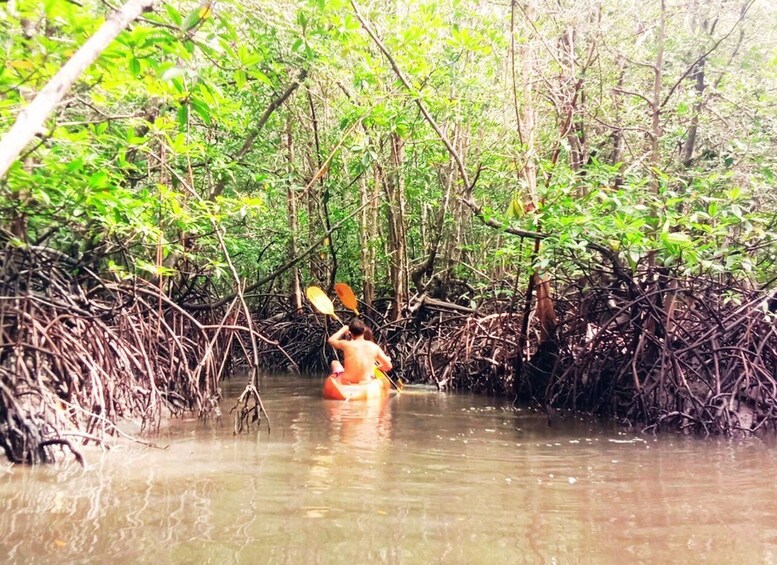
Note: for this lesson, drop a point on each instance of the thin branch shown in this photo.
(540, 36)
(704, 55)
(249, 141)
(417, 97)
(632, 93)
(274, 105)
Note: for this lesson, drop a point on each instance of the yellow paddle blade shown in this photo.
(347, 297)
(320, 301)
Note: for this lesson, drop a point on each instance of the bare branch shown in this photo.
(632, 93)
(704, 55)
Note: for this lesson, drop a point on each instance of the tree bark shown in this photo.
(397, 232)
(686, 155)
(291, 200)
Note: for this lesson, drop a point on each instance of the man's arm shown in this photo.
(336, 338)
(384, 361)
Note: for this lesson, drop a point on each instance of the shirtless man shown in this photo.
(360, 355)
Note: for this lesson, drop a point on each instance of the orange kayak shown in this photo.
(378, 387)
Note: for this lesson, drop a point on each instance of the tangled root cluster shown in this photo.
(654, 351)
(682, 354)
(78, 354)
(460, 352)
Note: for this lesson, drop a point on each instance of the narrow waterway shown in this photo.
(420, 478)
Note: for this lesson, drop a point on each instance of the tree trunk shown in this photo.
(291, 201)
(318, 267)
(456, 242)
(397, 236)
(432, 236)
(368, 232)
(686, 155)
(655, 117)
(618, 136)
(571, 90)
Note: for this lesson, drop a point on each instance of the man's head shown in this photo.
(356, 327)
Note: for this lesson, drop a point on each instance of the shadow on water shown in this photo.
(418, 478)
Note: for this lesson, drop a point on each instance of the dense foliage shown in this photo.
(645, 130)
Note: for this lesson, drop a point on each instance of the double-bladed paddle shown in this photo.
(349, 300)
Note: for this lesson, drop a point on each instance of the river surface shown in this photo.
(421, 478)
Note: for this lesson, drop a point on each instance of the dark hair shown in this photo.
(356, 327)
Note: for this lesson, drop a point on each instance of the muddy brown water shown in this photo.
(421, 478)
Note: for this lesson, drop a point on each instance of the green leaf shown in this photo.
(201, 109)
(260, 76)
(134, 66)
(183, 115)
(74, 165)
(240, 78)
(515, 209)
(677, 238)
(192, 19)
(99, 179)
(175, 15)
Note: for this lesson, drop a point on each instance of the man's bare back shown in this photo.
(361, 356)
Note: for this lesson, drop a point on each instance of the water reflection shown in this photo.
(363, 424)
